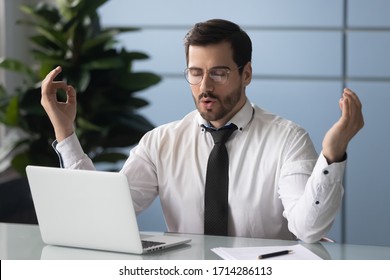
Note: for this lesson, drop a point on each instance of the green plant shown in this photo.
(69, 34)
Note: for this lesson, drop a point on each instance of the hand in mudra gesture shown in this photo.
(334, 145)
(61, 114)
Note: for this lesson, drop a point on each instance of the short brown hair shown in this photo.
(215, 31)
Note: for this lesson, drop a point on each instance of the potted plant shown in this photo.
(69, 34)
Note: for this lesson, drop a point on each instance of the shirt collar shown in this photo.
(241, 119)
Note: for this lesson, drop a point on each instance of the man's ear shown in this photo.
(247, 73)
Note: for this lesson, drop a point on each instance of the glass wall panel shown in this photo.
(293, 53)
(297, 53)
(311, 104)
(164, 47)
(173, 13)
(369, 13)
(367, 192)
(369, 54)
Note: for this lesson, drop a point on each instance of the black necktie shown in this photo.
(217, 183)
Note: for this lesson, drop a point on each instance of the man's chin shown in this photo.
(208, 115)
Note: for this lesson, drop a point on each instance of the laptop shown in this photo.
(90, 209)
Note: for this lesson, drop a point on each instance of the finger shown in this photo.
(49, 79)
(355, 106)
(52, 74)
(345, 108)
(50, 90)
(352, 110)
(355, 99)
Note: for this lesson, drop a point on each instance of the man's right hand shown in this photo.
(62, 114)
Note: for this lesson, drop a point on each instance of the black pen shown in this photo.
(275, 254)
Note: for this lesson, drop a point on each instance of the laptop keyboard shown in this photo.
(147, 244)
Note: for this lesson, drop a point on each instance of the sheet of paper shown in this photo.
(252, 253)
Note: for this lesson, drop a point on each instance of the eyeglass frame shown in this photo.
(225, 68)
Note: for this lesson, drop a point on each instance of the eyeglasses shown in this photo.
(218, 75)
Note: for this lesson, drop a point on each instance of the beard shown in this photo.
(226, 105)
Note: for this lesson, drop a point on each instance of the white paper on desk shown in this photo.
(251, 253)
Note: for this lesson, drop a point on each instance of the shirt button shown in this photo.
(317, 202)
(326, 172)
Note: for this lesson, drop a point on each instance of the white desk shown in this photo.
(23, 242)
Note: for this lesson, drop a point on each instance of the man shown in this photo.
(278, 187)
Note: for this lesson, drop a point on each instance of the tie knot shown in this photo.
(221, 135)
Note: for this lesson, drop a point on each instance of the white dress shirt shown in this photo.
(278, 186)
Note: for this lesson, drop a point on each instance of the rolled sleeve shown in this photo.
(311, 214)
(326, 188)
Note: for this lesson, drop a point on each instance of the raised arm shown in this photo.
(61, 114)
(334, 145)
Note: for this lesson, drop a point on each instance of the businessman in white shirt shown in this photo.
(278, 186)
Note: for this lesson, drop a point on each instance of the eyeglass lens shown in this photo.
(195, 76)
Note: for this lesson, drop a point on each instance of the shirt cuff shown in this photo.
(333, 172)
(69, 151)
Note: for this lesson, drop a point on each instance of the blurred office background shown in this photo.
(304, 53)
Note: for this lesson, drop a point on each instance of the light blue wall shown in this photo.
(299, 72)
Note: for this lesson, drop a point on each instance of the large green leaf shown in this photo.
(105, 63)
(100, 41)
(86, 125)
(121, 29)
(55, 57)
(17, 66)
(79, 10)
(135, 122)
(43, 13)
(20, 161)
(11, 116)
(56, 37)
(134, 55)
(44, 44)
(3, 92)
(139, 81)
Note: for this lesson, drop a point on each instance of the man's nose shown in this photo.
(207, 84)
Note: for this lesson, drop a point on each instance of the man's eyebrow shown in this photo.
(214, 67)
(220, 67)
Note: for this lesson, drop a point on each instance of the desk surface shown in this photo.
(20, 241)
